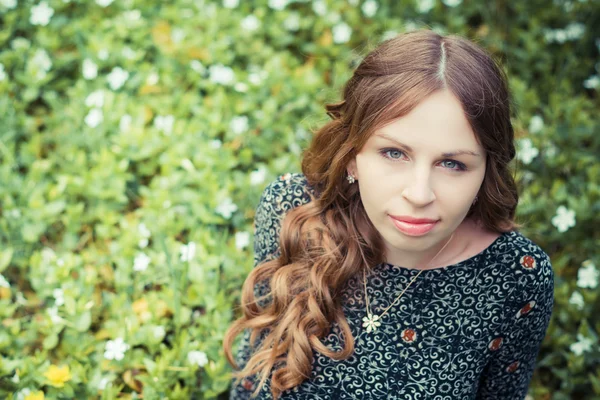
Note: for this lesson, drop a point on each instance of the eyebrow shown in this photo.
(449, 154)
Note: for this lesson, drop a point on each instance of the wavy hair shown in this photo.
(329, 240)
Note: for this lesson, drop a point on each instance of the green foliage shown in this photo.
(137, 137)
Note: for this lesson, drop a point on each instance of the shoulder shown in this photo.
(287, 191)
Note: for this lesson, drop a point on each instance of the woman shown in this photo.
(392, 267)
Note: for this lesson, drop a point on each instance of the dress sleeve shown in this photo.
(511, 365)
(286, 192)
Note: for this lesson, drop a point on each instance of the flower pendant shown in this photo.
(371, 322)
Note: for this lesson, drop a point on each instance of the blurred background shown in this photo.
(136, 138)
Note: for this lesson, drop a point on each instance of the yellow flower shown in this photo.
(58, 375)
(39, 395)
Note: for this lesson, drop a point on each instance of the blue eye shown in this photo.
(457, 165)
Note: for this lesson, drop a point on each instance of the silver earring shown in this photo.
(350, 178)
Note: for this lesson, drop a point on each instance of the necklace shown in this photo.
(371, 322)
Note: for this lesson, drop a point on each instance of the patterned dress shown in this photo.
(471, 330)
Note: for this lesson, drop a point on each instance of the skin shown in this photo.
(422, 183)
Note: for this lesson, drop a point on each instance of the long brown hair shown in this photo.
(329, 240)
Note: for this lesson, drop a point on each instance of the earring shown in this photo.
(350, 178)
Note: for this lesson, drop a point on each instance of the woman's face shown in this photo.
(408, 174)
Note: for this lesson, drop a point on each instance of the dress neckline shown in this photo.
(503, 237)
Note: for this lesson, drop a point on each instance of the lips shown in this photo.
(412, 220)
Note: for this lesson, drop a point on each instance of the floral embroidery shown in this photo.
(371, 322)
(495, 344)
(528, 262)
(409, 335)
(513, 367)
(526, 308)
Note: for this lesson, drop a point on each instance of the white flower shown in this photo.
(115, 349)
(215, 144)
(54, 317)
(141, 261)
(240, 87)
(197, 357)
(15, 378)
(95, 99)
(369, 8)
(258, 176)
(9, 4)
(125, 122)
(159, 332)
(41, 60)
(587, 276)
(89, 69)
(250, 23)
(41, 14)
(451, 3)
(526, 151)
(187, 251)
(319, 7)
(143, 243)
(128, 53)
(239, 124)
(59, 297)
(564, 219)
(117, 78)
(231, 3)
(197, 66)
(103, 383)
(226, 208)
(242, 239)
(104, 3)
(221, 74)
(577, 300)
(536, 124)
(575, 30)
(582, 345)
(20, 43)
(103, 54)
(341, 33)
(424, 6)
(143, 230)
(292, 22)
(550, 149)
(164, 123)
(593, 82)
(23, 393)
(152, 79)
(3, 282)
(94, 117)
(371, 322)
(277, 4)
(132, 15)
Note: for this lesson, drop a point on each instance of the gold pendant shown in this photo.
(371, 322)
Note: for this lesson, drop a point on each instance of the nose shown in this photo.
(418, 190)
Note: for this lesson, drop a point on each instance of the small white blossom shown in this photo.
(319, 7)
(575, 30)
(593, 82)
(369, 8)
(197, 358)
(104, 3)
(159, 332)
(115, 349)
(9, 4)
(164, 123)
(221, 74)
(89, 69)
(250, 23)
(587, 276)
(103, 383)
(187, 251)
(227, 208)
(20, 43)
(526, 151)
(103, 54)
(341, 33)
(141, 262)
(215, 144)
(577, 300)
(242, 239)
(94, 117)
(424, 6)
(582, 345)
(292, 22)
(564, 219)
(231, 3)
(143, 230)
(239, 124)
(125, 122)
(536, 124)
(54, 317)
(177, 35)
(277, 4)
(240, 87)
(41, 14)
(95, 99)
(117, 78)
(258, 176)
(152, 79)
(41, 60)
(59, 297)
(3, 282)
(451, 3)
(128, 53)
(197, 66)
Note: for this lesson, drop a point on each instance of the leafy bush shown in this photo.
(137, 137)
